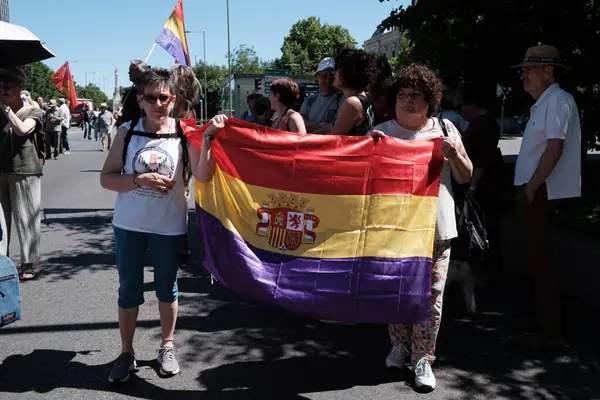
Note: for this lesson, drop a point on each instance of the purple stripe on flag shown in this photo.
(172, 44)
(363, 289)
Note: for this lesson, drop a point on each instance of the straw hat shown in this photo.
(103, 105)
(52, 102)
(543, 54)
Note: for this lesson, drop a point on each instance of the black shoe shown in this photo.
(122, 368)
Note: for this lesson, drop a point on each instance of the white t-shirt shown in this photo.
(553, 116)
(445, 228)
(143, 210)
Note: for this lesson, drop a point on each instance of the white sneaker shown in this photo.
(397, 357)
(424, 378)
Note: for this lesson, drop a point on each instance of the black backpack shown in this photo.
(472, 243)
(187, 173)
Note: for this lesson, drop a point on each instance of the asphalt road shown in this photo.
(233, 349)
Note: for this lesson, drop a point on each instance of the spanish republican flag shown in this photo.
(331, 227)
(64, 83)
(173, 39)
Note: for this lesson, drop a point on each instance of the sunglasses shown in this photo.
(153, 99)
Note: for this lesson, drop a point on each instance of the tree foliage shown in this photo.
(92, 92)
(478, 41)
(309, 41)
(215, 75)
(38, 81)
(245, 60)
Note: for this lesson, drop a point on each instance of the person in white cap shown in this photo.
(320, 109)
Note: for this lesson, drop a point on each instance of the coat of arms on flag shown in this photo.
(285, 223)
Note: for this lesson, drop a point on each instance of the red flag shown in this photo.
(64, 83)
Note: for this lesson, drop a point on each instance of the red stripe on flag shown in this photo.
(325, 164)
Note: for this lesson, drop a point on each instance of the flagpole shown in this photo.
(149, 54)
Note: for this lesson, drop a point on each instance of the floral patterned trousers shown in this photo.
(419, 339)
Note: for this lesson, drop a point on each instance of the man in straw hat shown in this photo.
(548, 168)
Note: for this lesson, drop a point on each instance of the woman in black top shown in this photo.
(354, 71)
(481, 140)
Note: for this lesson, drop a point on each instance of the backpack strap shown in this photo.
(187, 172)
(443, 125)
(128, 140)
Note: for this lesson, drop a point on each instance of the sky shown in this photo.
(94, 36)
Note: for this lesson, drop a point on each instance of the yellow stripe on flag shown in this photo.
(390, 226)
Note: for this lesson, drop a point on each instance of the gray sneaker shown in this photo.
(122, 367)
(167, 361)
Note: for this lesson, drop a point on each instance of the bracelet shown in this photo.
(7, 110)
(135, 182)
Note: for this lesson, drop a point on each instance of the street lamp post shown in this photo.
(205, 105)
(229, 57)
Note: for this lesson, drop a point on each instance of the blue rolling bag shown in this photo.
(10, 301)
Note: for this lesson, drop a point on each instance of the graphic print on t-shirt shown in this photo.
(152, 160)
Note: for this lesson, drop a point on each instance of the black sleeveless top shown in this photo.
(368, 121)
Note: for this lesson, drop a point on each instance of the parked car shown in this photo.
(76, 112)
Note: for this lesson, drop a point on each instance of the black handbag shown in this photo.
(472, 242)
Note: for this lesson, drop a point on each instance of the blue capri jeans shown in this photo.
(131, 257)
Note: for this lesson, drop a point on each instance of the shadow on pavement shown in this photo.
(262, 352)
(43, 371)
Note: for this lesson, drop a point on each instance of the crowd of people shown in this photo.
(149, 164)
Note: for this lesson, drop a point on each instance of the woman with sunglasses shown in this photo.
(146, 167)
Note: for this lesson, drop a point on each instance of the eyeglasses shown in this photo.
(153, 99)
(413, 96)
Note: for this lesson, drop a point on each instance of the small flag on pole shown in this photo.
(173, 39)
(64, 83)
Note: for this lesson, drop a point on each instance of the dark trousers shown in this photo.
(64, 140)
(534, 221)
(52, 139)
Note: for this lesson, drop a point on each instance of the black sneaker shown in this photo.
(121, 368)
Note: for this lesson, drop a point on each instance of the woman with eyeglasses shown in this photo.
(354, 72)
(146, 166)
(417, 93)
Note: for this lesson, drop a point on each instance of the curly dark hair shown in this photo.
(357, 68)
(287, 89)
(156, 76)
(420, 77)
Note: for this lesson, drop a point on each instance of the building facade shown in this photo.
(4, 11)
(384, 41)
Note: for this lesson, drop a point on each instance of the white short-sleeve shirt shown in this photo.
(553, 116)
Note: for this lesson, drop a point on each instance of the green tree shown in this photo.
(38, 81)
(92, 92)
(245, 60)
(215, 75)
(478, 41)
(309, 41)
